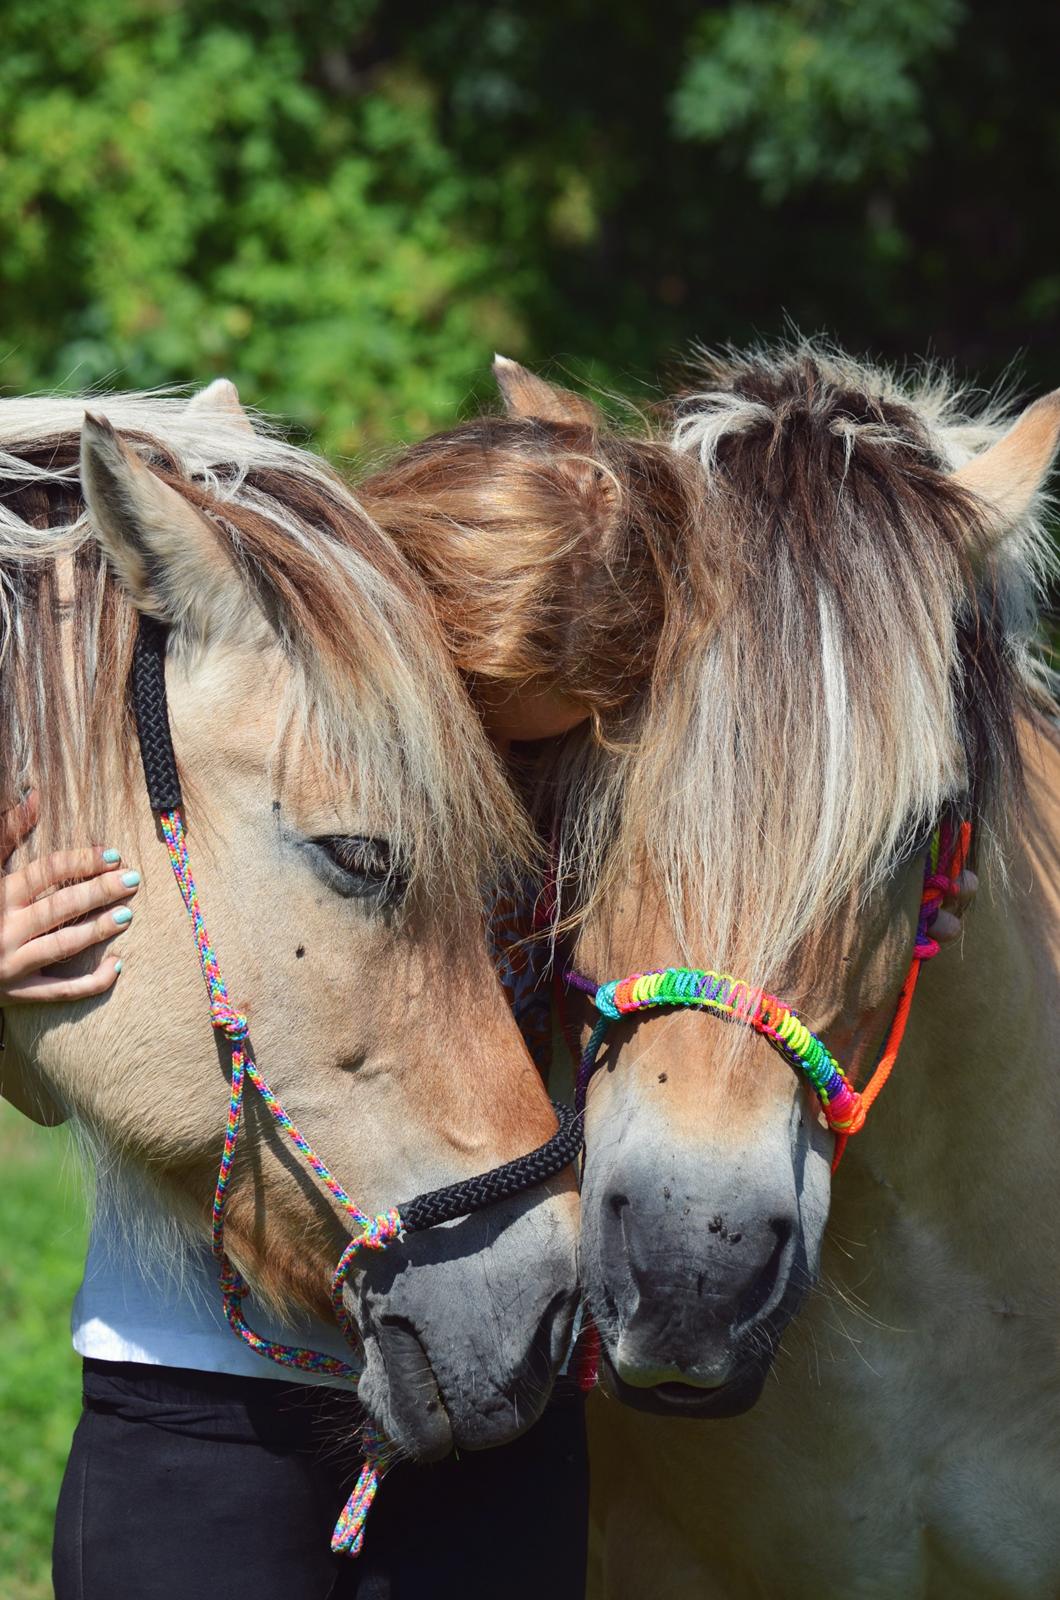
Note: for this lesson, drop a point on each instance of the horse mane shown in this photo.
(860, 670)
(372, 681)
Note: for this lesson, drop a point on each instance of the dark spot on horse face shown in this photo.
(715, 1224)
(662, 1077)
(300, 952)
(667, 1191)
(275, 806)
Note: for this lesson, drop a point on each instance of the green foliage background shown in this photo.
(42, 1242)
(347, 206)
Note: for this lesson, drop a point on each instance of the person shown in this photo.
(192, 1463)
(553, 547)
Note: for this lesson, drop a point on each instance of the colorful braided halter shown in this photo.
(845, 1108)
(374, 1232)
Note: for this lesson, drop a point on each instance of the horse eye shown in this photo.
(361, 868)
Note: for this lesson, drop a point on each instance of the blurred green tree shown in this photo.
(809, 90)
(187, 193)
(348, 206)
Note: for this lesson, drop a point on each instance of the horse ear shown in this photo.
(167, 555)
(1007, 477)
(222, 396)
(528, 396)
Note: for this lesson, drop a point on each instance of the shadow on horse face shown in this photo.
(707, 1178)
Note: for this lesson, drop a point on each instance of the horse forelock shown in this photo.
(860, 668)
(371, 679)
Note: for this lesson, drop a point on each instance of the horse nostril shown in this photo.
(552, 1337)
(617, 1203)
(764, 1284)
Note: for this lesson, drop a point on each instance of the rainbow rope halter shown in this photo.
(373, 1232)
(845, 1108)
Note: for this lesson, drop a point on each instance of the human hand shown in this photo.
(55, 909)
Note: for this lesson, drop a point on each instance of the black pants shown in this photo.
(184, 1485)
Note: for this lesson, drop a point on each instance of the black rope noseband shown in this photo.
(473, 1194)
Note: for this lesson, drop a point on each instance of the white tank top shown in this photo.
(163, 1308)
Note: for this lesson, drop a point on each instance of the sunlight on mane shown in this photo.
(372, 679)
(860, 670)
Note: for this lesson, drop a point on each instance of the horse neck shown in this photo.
(963, 1141)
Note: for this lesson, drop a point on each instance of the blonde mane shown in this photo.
(372, 679)
(855, 669)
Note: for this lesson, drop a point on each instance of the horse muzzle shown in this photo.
(465, 1326)
(691, 1280)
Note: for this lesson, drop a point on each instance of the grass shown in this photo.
(42, 1243)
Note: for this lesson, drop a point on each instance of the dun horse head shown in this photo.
(345, 817)
(851, 667)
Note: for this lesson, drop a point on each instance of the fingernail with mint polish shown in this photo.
(123, 916)
(111, 856)
(118, 966)
(130, 879)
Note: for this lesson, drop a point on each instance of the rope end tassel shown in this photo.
(348, 1537)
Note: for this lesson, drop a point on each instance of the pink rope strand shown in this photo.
(376, 1232)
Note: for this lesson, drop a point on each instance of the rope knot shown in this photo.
(227, 1020)
(605, 1001)
(379, 1231)
(376, 1233)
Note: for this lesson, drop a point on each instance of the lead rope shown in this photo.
(376, 1232)
(424, 1211)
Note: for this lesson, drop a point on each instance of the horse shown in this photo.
(345, 814)
(858, 673)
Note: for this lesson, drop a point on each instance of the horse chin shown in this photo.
(401, 1395)
(732, 1398)
(741, 1375)
(426, 1406)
